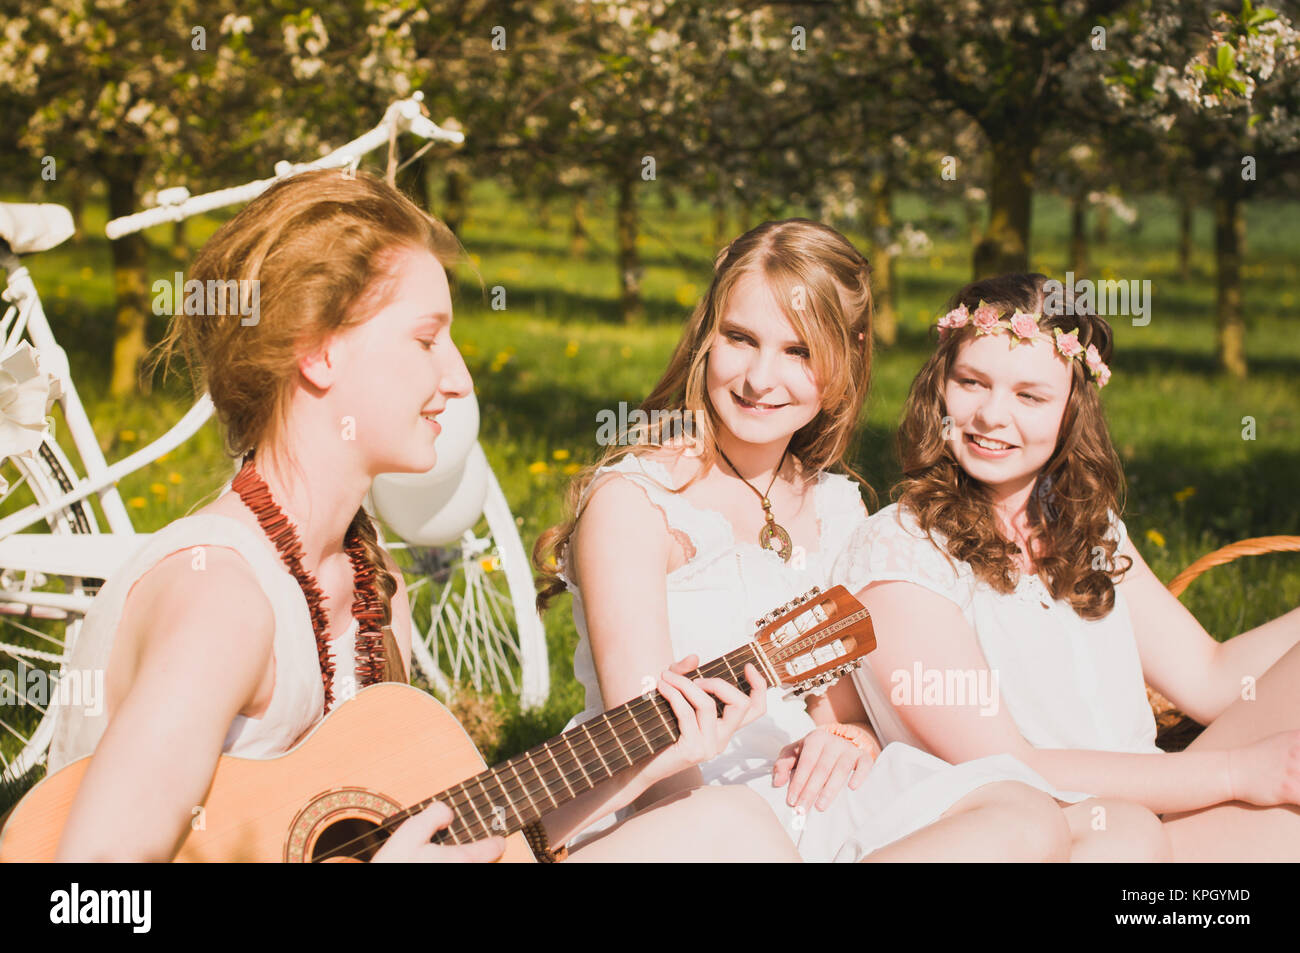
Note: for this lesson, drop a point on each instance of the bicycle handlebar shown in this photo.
(404, 115)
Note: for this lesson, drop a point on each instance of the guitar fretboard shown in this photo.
(517, 792)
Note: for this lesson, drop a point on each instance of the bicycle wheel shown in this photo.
(35, 639)
(473, 618)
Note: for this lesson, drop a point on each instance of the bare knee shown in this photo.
(1122, 831)
(740, 824)
(1036, 829)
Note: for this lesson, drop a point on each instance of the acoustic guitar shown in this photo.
(369, 765)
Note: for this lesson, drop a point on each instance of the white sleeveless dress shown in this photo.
(298, 698)
(712, 602)
(1067, 682)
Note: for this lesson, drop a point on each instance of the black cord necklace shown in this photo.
(771, 530)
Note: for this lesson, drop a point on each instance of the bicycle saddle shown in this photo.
(29, 227)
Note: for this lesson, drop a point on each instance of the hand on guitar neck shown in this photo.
(709, 712)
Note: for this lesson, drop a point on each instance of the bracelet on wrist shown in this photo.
(854, 734)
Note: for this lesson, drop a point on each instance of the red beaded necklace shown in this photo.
(367, 608)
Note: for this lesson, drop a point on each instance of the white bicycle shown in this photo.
(471, 601)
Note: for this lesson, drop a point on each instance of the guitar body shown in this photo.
(390, 746)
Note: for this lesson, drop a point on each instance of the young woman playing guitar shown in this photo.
(235, 629)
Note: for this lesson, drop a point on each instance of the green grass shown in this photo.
(557, 355)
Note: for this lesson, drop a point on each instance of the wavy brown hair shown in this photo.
(321, 244)
(802, 262)
(1080, 482)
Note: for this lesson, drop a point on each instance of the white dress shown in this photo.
(1067, 682)
(712, 602)
(298, 696)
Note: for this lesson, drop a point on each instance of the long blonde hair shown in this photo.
(321, 246)
(823, 286)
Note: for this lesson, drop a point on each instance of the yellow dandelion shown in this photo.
(87, 273)
(476, 260)
(560, 455)
(1184, 493)
(936, 261)
(490, 563)
(626, 351)
(686, 294)
(158, 489)
(163, 458)
(1155, 537)
(136, 502)
(469, 349)
(538, 466)
(571, 349)
(174, 477)
(126, 436)
(61, 291)
(571, 468)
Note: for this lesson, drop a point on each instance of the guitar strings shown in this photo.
(566, 755)
(561, 759)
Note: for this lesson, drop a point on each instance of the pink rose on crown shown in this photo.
(1103, 375)
(986, 319)
(956, 318)
(1068, 344)
(1025, 325)
(1093, 358)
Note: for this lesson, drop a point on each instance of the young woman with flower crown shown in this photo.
(215, 636)
(677, 544)
(1005, 559)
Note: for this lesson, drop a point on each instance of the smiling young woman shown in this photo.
(1005, 557)
(677, 546)
(236, 629)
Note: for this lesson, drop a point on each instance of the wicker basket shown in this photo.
(1175, 730)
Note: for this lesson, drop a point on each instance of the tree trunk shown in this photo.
(578, 227)
(1185, 220)
(180, 244)
(455, 193)
(77, 204)
(1101, 231)
(1229, 233)
(413, 181)
(880, 227)
(974, 213)
(629, 264)
(746, 214)
(720, 238)
(1005, 246)
(1078, 233)
(130, 264)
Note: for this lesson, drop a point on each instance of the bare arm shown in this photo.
(915, 625)
(625, 598)
(201, 658)
(1182, 661)
(619, 555)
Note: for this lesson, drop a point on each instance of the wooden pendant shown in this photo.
(773, 531)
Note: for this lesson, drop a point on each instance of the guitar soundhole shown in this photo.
(331, 820)
(341, 835)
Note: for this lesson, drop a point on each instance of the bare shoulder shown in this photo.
(198, 596)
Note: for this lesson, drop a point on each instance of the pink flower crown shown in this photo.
(1024, 327)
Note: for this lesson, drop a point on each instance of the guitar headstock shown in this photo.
(815, 638)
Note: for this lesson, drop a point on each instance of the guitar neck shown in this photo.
(517, 792)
